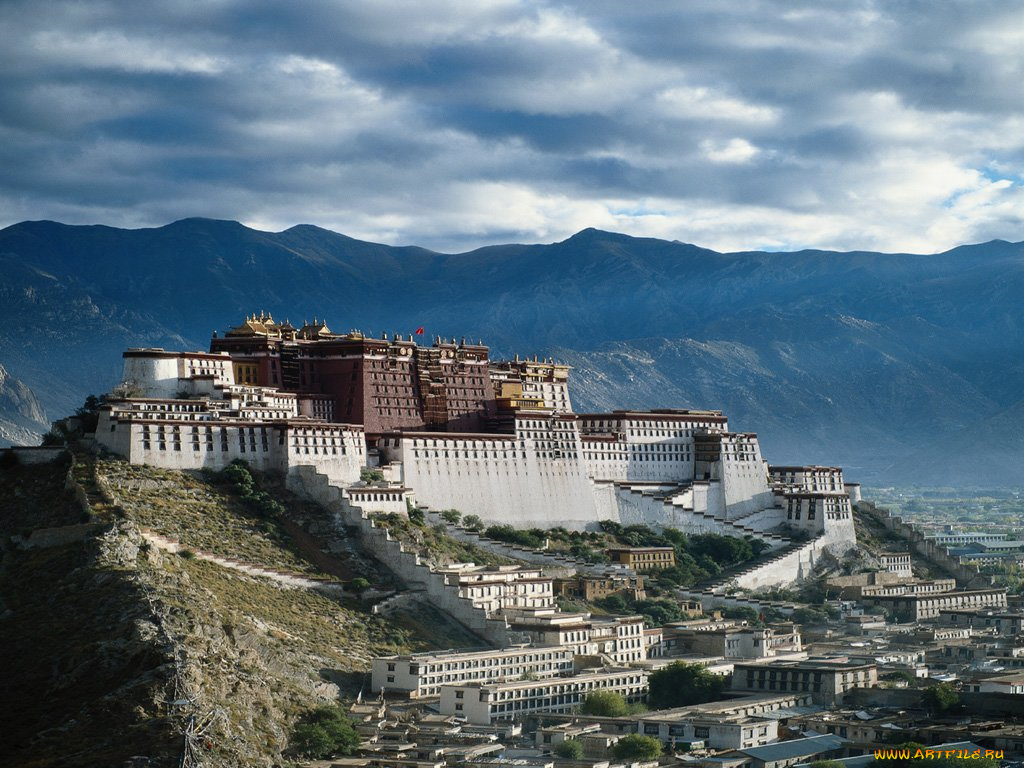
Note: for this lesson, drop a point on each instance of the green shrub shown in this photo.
(940, 698)
(637, 747)
(452, 516)
(570, 749)
(324, 732)
(604, 704)
(531, 539)
(681, 684)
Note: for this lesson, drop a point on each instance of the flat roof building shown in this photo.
(643, 558)
(826, 681)
(484, 702)
(423, 674)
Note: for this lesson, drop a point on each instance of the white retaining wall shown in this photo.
(500, 485)
(405, 564)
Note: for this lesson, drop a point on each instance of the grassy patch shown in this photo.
(434, 543)
(204, 515)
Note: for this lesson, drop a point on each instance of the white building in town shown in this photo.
(483, 703)
(423, 674)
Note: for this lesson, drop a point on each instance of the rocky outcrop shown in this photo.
(22, 418)
(125, 647)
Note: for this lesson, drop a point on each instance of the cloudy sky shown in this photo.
(732, 124)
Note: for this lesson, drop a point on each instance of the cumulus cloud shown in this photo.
(451, 124)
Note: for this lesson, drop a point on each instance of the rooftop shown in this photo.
(787, 750)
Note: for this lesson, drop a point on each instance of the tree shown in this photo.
(637, 747)
(613, 604)
(570, 749)
(473, 522)
(53, 438)
(359, 584)
(810, 615)
(325, 732)
(452, 516)
(604, 704)
(940, 698)
(681, 684)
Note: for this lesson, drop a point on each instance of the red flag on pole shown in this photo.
(419, 331)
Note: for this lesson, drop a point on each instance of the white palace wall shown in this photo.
(744, 476)
(191, 442)
(500, 480)
(156, 373)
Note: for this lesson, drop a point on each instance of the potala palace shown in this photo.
(450, 428)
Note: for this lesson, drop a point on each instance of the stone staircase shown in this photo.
(677, 496)
(750, 570)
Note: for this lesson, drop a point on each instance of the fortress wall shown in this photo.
(155, 376)
(643, 466)
(605, 464)
(115, 436)
(384, 500)
(660, 467)
(661, 456)
(708, 497)
(525, 491)
(30, 454)
(183, 449)
(605, 501)
(336, 452)
(733, 601)
(965, 575)
(405, 564)
(744, 477)
(840, 535)
(791, 568)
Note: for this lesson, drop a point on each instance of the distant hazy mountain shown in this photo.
(901, 367)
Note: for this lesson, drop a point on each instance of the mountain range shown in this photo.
(904, 368)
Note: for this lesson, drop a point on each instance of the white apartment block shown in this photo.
(483, 703)
(896, 562)
(423, 674)
(619, 638)
(497, 588)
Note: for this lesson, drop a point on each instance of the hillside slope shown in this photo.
(119, 642)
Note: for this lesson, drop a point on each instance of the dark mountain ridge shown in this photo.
(878, 361)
